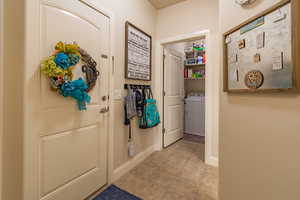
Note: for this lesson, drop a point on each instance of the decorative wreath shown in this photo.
(58, 68)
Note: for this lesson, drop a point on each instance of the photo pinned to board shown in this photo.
(242, 44)
(257, 58)
(254, 79)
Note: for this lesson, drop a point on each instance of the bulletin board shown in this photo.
(258, 53)
(138, 53)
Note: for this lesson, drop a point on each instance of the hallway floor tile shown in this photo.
(177, 172)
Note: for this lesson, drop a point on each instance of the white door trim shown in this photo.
(29, 192)
(211, 102)
(111, 16)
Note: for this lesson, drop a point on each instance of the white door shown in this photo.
(71, 145)
(173, 96)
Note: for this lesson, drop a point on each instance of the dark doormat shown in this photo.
(115, 193)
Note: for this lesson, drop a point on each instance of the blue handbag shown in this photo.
(150, 117)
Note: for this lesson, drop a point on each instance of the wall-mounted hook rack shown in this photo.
(134, 86)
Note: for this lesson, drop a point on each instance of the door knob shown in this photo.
(104, 110)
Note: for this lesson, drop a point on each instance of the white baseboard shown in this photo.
(129, 165)
(214, 161)
(195, 133)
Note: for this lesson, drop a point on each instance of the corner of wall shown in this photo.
(1, 92)
(130, 164)
(12, 155)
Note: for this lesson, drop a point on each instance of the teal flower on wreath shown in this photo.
(77, 90)
(73, 59)
(62, 60)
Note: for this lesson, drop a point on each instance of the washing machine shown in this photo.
(195, 115)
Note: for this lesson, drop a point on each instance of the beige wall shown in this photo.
(259, 134)
(13, 90)
(142, 14)
(188, 17)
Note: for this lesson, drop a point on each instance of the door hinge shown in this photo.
(164, 93)
(164, 130)
(164, 56)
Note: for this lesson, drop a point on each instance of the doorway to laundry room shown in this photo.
(184, 67)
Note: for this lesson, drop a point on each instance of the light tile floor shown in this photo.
(177, 172)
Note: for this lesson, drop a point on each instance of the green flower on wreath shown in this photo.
(67, 48)
(51, 70)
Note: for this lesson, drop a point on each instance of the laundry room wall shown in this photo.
(143, 15)
(190, 86)
(259, 133)
(188, 17)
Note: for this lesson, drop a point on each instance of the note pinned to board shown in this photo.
(260, 40)
(256, 23)
(278, 61)
(228, 40)
(233, 59)
(279, 16)
(235, 75)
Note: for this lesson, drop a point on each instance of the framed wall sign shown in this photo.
(260, 54)
(138, 53)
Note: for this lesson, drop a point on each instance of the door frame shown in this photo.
(211, 83)
(110, 138)
(29, 189)
(1, 90)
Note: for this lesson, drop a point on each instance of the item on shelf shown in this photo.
(191, 61)
(185, 73)
(204, 59)
(190, 73)
(200, 60)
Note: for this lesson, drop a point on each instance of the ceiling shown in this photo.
(164, 3)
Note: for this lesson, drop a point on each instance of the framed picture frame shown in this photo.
(256, 59)
(138, 53)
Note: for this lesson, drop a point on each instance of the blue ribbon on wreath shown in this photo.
(62, 60)
(77, 90)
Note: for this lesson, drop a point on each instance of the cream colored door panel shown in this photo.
(174, 120)
(68, 119)
(72, 144)
(68, 155)
(174, 94)
(78, 188)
